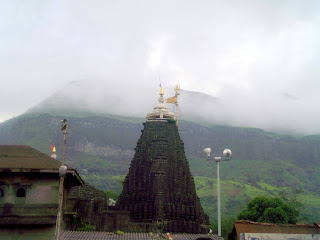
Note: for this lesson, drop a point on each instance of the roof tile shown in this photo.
(26, 157)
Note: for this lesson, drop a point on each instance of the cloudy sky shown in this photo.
(261, 57)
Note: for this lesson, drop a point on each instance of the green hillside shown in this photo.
(101, 147)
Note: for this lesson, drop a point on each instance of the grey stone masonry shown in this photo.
(159, 187)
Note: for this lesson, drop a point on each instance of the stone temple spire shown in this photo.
(160, 112)
(159, 188)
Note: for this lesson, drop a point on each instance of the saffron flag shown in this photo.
(172, 100)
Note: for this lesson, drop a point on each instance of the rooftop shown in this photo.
(244, 226)
(134, 236)
(26, 157)
(22, 158)
(86, 192)
(160, 112)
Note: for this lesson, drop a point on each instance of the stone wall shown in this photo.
(159, 187)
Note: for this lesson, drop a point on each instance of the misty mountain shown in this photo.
(102, 147)
(98, 97)
(105, 124)
(282, 112)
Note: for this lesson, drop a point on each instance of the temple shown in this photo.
(159, 188)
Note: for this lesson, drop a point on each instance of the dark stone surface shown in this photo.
(159, 186)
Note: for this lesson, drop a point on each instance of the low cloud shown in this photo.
(258, 58)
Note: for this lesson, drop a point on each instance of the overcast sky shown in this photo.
(261, 57)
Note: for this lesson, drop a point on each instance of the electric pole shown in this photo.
(62, 174)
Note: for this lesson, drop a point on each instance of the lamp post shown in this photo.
(227, 154)
(62, 174)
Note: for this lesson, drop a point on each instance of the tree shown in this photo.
(271, 210)
(227, 224)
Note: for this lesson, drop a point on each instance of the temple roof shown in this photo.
(160, 112)
(86, 192)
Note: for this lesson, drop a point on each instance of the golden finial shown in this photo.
(161, 91)
(177, 88)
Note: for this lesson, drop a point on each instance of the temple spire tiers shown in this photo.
(159, 187)
(160, 112)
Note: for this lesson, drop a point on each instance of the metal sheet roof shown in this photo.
(71, 235)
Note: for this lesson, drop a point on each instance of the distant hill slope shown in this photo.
(101, 147)
(96, 97)
(281, 112)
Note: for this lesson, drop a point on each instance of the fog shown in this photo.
(257, 59)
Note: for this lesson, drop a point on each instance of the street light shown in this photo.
(227, 154)
(62, 174)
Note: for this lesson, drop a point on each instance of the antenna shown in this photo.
(177, 88)
(159, 78)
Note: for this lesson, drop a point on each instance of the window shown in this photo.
(2, 195)
(21, 192)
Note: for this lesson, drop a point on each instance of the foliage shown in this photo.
(111, 194)
(227, 224)
(101, 147)
(81, 225)
(274, 215)
(271, 210)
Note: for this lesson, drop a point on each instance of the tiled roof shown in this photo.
(86, 192)
(26, 157)
(71, 235)
(22, 158)
(302, 225)
(244, 226)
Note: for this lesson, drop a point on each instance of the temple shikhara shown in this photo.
(159, 187)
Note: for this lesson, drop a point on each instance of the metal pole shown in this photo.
(58, 225)
(218, 186)
(177, 115)
(64, 143)
(227, 154)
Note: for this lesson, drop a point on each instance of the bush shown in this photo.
(271, 210)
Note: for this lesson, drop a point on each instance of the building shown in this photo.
(278, 230)
(159, 190)
(29, 190)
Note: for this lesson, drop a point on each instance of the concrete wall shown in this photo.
(253, 227)
(28, 198)
(43, 232)
(39, 188)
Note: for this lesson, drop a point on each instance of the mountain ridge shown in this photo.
(101, 149)
(231, 109)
